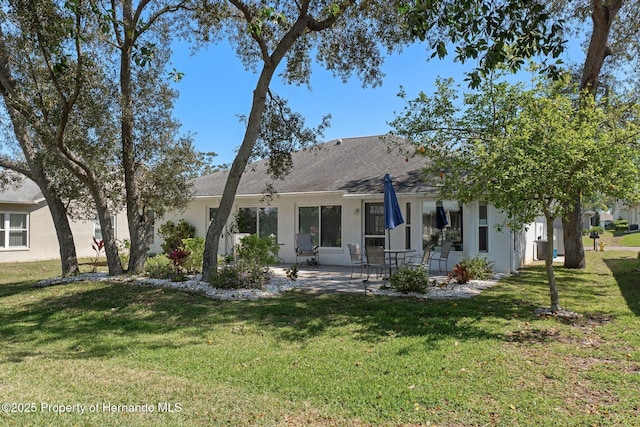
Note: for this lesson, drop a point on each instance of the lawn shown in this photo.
(612, 239)
(140, 356)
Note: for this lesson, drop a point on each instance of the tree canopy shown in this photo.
(525, 151)
(347, 37)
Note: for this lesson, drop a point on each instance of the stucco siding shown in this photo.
(42, 238)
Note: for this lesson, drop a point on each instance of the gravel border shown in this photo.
(275, 287)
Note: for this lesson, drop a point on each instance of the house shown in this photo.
(335, 192)
(27, 231)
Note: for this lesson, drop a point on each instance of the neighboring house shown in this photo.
(629, 212)
(335, 192)
(27, 231)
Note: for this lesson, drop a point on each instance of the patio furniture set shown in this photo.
(378, 259)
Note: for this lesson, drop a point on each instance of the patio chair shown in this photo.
(443, 255)
(375, 260)
(356, 258)
(305, 247)
(420, 261)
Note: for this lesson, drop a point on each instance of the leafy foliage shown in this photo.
(258, 250)
(479, 268)
(460, 274)
(527, 152)
(241, 276)
(195, 245)
(410, 280)
(254, 255)
(98, 247)
(499, 33)
(158, 267)
(348, 38)
(178, 256)
(173, 234)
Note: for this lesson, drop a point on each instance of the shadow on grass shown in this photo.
(626, 274)
(103, 319)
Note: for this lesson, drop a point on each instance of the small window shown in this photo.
(2, 231)
(483, 227)
(407, 228)
(14, 230)
(17, 230)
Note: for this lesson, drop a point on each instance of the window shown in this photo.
(260, 221)
(483, 227)
(374, 234)
(14, 229)
(407, 228)
(324, 223)
(452, 232)
(97, 229)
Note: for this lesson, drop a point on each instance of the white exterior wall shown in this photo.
(508, 250)
(43, 242)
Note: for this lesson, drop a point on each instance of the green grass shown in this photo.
(614, 239)
(317, 360)
(632, 239)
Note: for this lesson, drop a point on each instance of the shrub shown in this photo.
(158, 267)
(243, 276)
(261, 251)
(621, 224)
(195, 245)
(407, 280)
(478, 268)
(124, 249)
(173, 234)
(460, 274)
(588, 232)
(178, 257)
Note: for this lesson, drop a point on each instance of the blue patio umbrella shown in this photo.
(441, 219)
(392, 213)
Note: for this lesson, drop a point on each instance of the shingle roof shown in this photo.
(350, 165)
(24, 192)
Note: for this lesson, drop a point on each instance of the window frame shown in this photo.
(319, 237)
(483, 227)
(7, 230)
(453, 232)
(260, 217)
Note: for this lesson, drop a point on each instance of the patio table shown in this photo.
(394, 257)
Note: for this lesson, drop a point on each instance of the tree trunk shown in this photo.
(603, 15)
(68, 257)
(138, 218)
(574, 256)
(210, 257)
(108, 237)
(551, 278)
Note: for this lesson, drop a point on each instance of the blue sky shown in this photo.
(216, 89)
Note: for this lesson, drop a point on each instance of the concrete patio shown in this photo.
(320, 279)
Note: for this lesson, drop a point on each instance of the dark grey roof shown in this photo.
(24, 191)
(349, 165)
